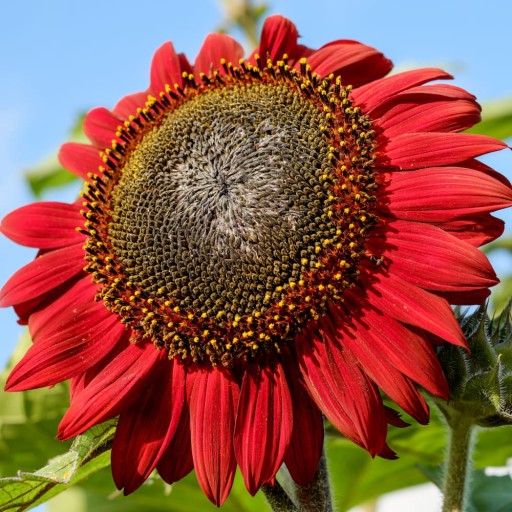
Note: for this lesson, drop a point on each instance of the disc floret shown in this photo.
(336, 182)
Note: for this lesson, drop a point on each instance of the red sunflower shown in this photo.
(266, 241)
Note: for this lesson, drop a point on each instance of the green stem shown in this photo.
(277, 498)
(458, 463)
(316, 497)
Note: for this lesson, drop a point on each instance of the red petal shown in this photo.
(446, 91)
(407, 303)
(448, 265)
(165, 69)
(47, 225)
(100, 126)
(177, 460)
(354, 62)
(42, 275)
(213, 398)
(113, 390)
(185, 64)
(412, 115)
(378, 366)
(263, 424)
(26, 309)
(475, 164)
(373, 94)
(215, 48)
(416, 150)
(69, 347)
(80, 159)
(307, 439)
(278, 37)
(145, 431)
(128, 105)
(79, 382)
(476, 230)
(341, 390)
(77, 295)
(443, 194)
(393, 418)
(396, 343)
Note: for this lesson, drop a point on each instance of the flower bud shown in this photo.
(480, 379)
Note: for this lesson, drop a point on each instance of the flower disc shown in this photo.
(228, 209)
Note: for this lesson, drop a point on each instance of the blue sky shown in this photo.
(58, 58)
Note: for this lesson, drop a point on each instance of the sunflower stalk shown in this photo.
(277, 498)
(458, 464)
(314, 497)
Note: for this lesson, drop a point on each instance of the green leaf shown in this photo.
(358, 478)
(98, 493)
(28, 421)
(490, 493)
(49, 173)
(496, 120)
(27, 489)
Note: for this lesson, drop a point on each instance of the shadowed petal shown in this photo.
(263, 424)
(372, 95)
(307, 439)
(449, 265)
(416, 113)
(476, 230)
(113, 390)
(411, 305)
(360, 341)
(68, 347)
(340, 389)
(78, 296)
(177, 462)
(213, 398)
(145, 431)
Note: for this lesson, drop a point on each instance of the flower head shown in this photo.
(265, 241)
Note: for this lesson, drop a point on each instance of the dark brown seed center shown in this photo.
(225, 202)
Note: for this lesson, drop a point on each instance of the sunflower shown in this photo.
(260, 242)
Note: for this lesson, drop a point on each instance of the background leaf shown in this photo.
(49, 173)
(358, 478)
(27, 489)
(496, 120)
(98, 493)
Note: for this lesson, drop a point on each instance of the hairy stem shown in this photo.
(458, 464)
(277, 498)
(316, 497)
